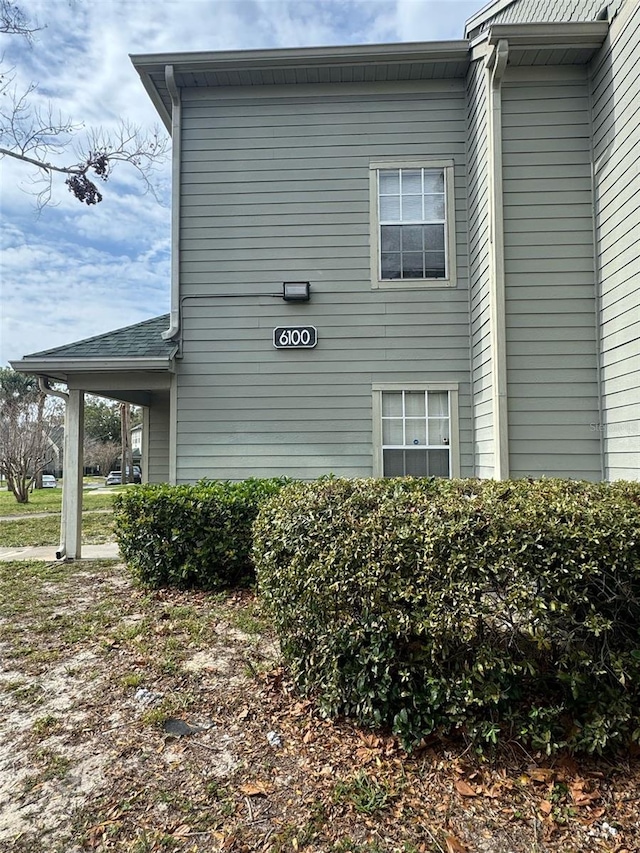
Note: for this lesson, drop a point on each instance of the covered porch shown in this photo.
(131, 365)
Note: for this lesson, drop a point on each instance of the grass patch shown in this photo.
(364, 792)
(50, 500)
(97, 528)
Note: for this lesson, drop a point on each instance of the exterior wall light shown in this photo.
(295, 291)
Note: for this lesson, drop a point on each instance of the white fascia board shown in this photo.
(566, 35)
(288, 57)
(52, 366)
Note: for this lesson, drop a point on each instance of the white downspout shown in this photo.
(176, 122)
(496, 64)
(71, 513)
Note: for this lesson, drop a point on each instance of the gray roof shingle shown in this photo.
(142, 340)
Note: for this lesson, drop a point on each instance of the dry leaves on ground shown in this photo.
(92, 670)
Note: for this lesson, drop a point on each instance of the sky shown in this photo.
(70, 271)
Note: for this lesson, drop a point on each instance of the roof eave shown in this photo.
(57, 367)
(439, 51)
(583, 34)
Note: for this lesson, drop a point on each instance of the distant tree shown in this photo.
(26, 415)
(37, 137)
(101, 420)
(102, 454)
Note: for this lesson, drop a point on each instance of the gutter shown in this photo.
(176, 122)
(496, 64)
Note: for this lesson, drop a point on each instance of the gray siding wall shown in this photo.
(477, 164)
(550, 279)
(539, 11)
(616, 148)
(158, 458)
(275, 187)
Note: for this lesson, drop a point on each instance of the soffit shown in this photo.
(306, 66)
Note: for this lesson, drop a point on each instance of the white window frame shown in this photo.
(454, 422)
(449, 280)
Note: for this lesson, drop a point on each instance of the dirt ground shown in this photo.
(136, 721)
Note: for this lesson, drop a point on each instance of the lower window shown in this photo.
(414, 432)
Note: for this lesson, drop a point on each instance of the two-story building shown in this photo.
(394, 259)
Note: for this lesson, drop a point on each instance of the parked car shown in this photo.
(49, 481)
(114, 478)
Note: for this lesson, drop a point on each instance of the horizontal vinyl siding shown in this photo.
(615, 92)
(549, 270)
(277, 189)
(158, 457)
(478, 204)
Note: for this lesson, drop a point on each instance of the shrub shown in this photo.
(191, 536)
(498, 609)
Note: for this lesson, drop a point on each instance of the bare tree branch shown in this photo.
(13, 20)
(39, 138)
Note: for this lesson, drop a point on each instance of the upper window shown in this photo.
(413, 232)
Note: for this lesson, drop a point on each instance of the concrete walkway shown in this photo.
(108, 551)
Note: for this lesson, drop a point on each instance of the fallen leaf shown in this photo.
(464, 789)
(541, 774)
(545, 807)
(453, 845)
(254, 789)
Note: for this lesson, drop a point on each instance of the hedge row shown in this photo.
(494, 609)
(191, 536)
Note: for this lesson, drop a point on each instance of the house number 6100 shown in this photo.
(295, 337)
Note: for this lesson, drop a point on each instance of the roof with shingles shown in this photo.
(141, 340)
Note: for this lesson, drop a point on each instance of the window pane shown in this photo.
(390, 208)
(438, 403)
(392, 432)
(434, 237)
(433, 208)
(414, 404)
(412, 238)
(416, 431)
(412, 181)
(390, 238)
(393, 463)
(438, 463)
(434, 181)
(415, 463)
(438, 431)
(434, 265)
(412, 208)
(390, 266)
(390, 182)
(392, 403)
(412, 265)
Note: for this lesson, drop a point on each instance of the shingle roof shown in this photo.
(142, 340)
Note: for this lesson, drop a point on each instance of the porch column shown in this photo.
(71, 520)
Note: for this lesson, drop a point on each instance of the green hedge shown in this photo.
(494, 609)
(191, 536)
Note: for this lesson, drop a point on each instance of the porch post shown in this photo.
(71, 520)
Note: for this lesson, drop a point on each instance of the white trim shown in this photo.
(448, 166)
(173, 430)
(144, 458)
(176, 154)
(454, 419)
(496, 65)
